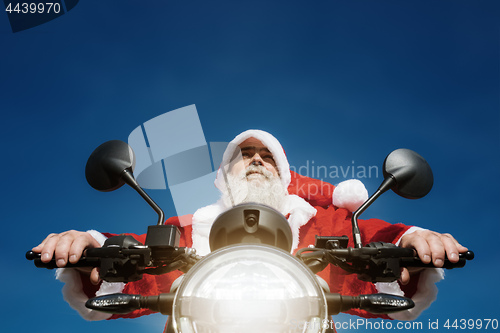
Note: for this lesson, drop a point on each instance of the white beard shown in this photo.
(266, 189)
(255, 184)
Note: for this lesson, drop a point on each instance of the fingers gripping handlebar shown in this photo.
(83, 262)
(124, 259)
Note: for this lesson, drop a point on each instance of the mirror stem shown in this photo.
(356, 234)
(128, 177)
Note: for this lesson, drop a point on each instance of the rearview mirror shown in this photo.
(411, 173)
(110, 166)
(405, 172)
(107, 164)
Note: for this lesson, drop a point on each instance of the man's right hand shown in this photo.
(67, 247)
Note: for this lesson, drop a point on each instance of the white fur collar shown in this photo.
(300, 213)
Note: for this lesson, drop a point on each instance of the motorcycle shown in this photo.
(249, 282)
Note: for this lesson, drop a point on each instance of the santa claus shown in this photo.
(261, 173)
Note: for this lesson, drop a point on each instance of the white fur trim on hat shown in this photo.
(267, 140)
(349, 194)
(426, 289)
(73, 290)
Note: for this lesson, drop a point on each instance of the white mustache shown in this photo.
(258, 169)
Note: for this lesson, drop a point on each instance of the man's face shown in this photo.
(254, 153)
(254, 177)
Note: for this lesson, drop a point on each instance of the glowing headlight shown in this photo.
(249, 288)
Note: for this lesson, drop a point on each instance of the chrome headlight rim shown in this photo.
(312, 287)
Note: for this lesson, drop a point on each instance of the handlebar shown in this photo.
(123, 259)
(83, 262)
(416, 262)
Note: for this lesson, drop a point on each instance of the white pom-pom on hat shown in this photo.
(349, 194)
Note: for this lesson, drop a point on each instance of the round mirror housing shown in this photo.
(411, 173)
(107, 164)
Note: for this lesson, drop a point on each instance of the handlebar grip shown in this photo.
(83, 262)
(416, 262)
(469, 255)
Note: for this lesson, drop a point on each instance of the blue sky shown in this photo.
(339, 83)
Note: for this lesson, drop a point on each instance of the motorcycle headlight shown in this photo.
(249, 288)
